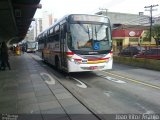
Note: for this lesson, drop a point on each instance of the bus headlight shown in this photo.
(71, 59)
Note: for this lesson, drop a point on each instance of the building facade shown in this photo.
(127, 19)
(129, 29)
(43, 23)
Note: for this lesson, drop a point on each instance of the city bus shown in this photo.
(31, 46)
(77, 43)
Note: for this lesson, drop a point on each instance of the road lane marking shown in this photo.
(111, 78)
(115, 80)
(145, 109)
(133, 80)
(37, 57)
(81, 85)
(48, 78)
(107, 93)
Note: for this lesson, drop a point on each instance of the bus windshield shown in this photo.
(31, 45)
(90, 37)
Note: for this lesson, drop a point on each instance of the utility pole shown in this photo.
(106, 10)
(151, 9)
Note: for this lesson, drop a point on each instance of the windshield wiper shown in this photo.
(96, 32)
(88, 32)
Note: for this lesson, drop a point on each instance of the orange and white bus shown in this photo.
(78, 42)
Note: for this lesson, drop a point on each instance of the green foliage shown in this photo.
(147, 34)
(156, 33)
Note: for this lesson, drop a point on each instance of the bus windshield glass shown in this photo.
(90, 37)
(31, 45)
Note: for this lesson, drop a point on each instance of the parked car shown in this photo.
(153, 53)
(132, 50)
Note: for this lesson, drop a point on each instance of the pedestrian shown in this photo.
(4, 57)
(18, 50)
(23, 49)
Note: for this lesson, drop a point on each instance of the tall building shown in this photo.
(43, 23)
(47, 19)
(37, 27)
(30, 35)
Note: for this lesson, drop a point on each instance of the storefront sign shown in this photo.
(132, 33)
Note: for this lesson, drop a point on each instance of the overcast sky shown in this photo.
(61, 7)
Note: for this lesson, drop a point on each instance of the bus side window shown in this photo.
(56, 37)
(51, 38)
(44, 41)
(63, 31)
(65, 27)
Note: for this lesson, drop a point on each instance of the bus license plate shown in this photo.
(93, 67)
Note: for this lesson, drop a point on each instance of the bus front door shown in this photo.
(62, 46)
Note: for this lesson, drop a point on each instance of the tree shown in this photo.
(156, 34)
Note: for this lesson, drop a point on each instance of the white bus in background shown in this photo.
(31, 46)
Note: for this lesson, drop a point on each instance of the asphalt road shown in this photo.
(124, 89)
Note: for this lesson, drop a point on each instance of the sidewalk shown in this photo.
(25, 92)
